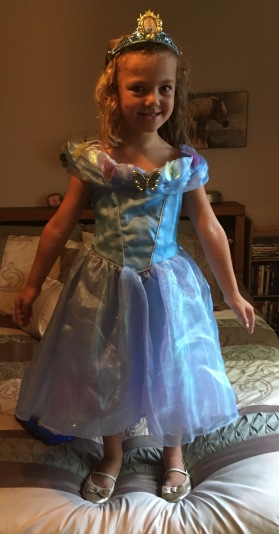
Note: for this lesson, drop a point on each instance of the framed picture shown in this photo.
(218, 120)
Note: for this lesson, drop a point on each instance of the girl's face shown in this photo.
(146, 89)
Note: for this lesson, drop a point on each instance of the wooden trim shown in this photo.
(38, 214)
(42, 214)
(265, 231)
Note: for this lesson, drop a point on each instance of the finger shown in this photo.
(26, 317)
(22, 314)
(250, 320)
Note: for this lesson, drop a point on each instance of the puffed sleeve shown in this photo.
(85, 160)
(198, 169)
(186, 173)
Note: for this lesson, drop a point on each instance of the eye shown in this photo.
(137, 89)
(166, 89)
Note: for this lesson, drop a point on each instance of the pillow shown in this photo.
(43, 308)
(18, 256)
(7, 230)
(17, 253)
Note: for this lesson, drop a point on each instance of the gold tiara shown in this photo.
(149, 29)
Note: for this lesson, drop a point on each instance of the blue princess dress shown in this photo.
(133, 334)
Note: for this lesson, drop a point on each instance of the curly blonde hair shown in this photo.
(175, 129)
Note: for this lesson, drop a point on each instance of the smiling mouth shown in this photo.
(151, 114)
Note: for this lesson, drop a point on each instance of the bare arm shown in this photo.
(215, 244)
(53, 238)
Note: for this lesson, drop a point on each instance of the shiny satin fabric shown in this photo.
(133, 334)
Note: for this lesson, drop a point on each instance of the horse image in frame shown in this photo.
(218, 120)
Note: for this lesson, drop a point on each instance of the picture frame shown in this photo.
(218, 120)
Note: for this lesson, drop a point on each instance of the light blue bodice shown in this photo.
(135, 228)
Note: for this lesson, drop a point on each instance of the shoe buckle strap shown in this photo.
(178, 471)
(105, 475)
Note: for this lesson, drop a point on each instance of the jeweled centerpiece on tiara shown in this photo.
(150, 28)
(149, 24)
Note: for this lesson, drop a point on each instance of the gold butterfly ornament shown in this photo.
(146, 181)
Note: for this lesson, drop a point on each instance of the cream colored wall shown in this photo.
(52, 53)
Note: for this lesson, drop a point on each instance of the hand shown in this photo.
(244, 311)
(23, 306)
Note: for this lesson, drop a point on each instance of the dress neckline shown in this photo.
(185, 151)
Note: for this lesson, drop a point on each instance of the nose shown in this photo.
(152, 98)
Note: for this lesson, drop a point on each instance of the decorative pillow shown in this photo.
(18, 256)
(43, 308)
(19, 230)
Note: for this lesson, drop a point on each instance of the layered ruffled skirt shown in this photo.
(123, 345)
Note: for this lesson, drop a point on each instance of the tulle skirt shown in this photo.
(123, 345)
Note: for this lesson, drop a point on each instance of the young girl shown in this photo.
(133, 334)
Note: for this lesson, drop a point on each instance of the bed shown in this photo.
(234, 470)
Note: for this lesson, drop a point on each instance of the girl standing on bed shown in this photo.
(133, 334)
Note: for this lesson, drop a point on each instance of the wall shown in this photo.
(52, 53)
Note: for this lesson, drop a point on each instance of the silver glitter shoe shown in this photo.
(95, 494)
(177, 493)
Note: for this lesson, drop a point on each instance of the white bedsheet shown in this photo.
(242, 498)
